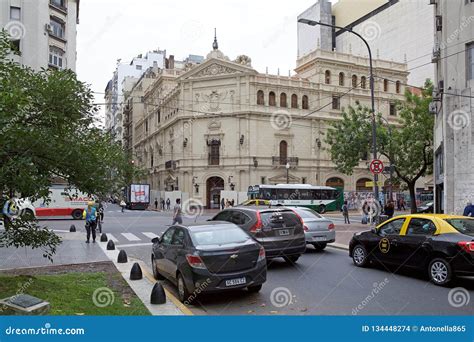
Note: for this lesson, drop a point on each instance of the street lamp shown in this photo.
(287, 172)
(390, 156)
(372, 100)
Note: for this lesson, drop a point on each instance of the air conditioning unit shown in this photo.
(48, 28)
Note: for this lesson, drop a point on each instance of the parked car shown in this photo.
(279, 230)
(208, 257)
(441, 245)
(425, 208)
(318, 230)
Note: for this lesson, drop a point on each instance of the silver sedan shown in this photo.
(318, 230)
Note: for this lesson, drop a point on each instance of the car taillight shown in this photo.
(261, 254)
(331, 226)
(301, 220)
(257, 227)
(195, 261)
(306, 229)
(468, 246)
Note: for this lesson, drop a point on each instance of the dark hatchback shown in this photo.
(208, 257)
(280, 231)
(441, 245)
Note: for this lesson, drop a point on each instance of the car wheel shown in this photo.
(77, 214)
(319, 246)
(28, 215)
(359, 256)
(322, 209)
(439, 271)
(291, 259)
(183, 293)
(255, 288)
(156, 273)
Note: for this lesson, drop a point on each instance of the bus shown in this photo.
(319, 198)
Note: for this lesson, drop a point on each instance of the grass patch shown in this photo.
(72, 293)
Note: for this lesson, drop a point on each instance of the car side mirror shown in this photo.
(155, 240)
(374, 230)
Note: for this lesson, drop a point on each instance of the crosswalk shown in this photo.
(125, 239)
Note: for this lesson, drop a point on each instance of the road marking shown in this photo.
(111, 237)
(134, 245)
(131, 237)
(150, 235)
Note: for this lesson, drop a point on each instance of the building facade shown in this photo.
(221, 125)
(43, 31)
(453, 55)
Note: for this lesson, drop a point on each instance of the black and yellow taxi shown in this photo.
(440, 244)
(255, 202)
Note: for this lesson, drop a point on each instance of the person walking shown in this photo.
(177, 218)
(101, 211)
(389, 209)
(222, 203)
(232, 202)
(345, 212)
(90, 215)
(469, 210)
(402, 204)
(123, 205)
(156, 203)
(162, 203)
(168, 204)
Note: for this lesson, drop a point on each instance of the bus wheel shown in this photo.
(322, 209)
(77, 214)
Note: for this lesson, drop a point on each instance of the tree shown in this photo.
(409, 148)
(48, 128)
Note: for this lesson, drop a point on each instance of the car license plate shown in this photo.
(284, 232)
(319, 238)
(234, 282)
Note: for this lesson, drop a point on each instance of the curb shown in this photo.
(339, 246)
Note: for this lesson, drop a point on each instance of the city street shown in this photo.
(321, 283)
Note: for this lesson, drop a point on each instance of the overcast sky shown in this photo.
(265, 30)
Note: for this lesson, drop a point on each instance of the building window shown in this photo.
(159, 115)
(56, 57)
(354, 81)
(214, 152)
(263, 180)
(363, 82)
(336, 102)
(15, 45)
(439, 162)
(146, 125)
(138, 67)
(398, 87)
(283, 152)
(283, 102)
(385, 85)
(303, 180)
(271, 99)
(470, 61)
(294, 101)
(305, 102)
(58, 3)
(260, 97)
(341, 78)
(393, 109)
(57, 28)
(327, 77)
(15, 13)
(152, 159)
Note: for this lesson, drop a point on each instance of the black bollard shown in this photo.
(110, 245)
(103, 237)
(158, 295)
(122, 257)
(136, 272)
(72, 229)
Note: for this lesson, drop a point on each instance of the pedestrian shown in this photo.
(156, 203)
(399, 207)
(90, 215)
(123, 205)
(227, 204)
(389, 209)
(345, 212)
(177, 212)
(101, 211)
(365, 212)
(232, 202)
(168, 203)
(222, 203)
(469, 210)
(162, 202)
(402, 204)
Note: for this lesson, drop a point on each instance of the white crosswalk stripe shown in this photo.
(111, 237)
(150, 235)
(131, 237)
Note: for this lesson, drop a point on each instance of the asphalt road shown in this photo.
(320, 283)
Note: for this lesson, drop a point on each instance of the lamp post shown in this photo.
(287, 172)
(390, 156)
(372, 100)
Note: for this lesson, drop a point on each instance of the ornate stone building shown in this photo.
(222, 125)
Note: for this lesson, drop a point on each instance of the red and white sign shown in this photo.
(376, 166)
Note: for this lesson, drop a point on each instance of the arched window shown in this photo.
(327, 77)
(335, 182)
(260, 97)
(283, 102)
(385, 85)
(397, 87)
(363, 82)
(361, 184)
(271, 99)
(341, 78)
(294, 101)
(305, 102)
(354, 81)
(283, 152)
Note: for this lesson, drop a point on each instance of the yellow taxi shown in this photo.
(257, 202)
(440, 244)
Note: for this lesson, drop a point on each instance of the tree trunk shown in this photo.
(411, 188)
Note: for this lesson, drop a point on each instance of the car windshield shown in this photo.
(215, 235)
(464, 226)
(307, 213)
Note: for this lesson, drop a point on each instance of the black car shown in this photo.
(279, 230)
(441, 245)
(208, 257)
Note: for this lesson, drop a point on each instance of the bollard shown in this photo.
(158, 295)
(136, 272)
(103, 237)
(110, 245)
(122, 257)
(72, 229)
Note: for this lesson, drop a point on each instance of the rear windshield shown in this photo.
(276, 218)
(218, 235)
(464, 226)
(307, 213)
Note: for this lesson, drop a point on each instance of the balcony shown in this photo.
(276, 161)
